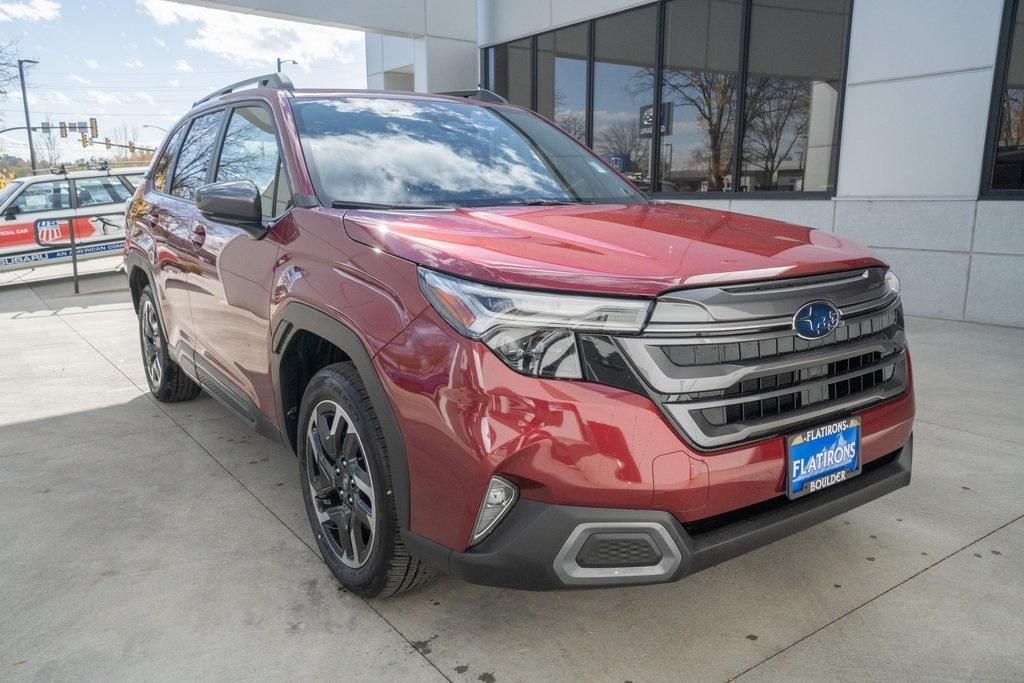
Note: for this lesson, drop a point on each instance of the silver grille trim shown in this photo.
(747, 375)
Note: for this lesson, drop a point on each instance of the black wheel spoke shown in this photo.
(328, 425)
(362, 512)
(326, 467)
(359, 545)
(323, 487)
(350, 446)
(362, 480)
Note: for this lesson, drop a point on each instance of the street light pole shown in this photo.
(24, 100)
(285, 61)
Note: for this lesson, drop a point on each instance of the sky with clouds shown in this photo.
(137, 62)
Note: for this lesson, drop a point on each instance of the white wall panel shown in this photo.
(894, 39)
(920, 137)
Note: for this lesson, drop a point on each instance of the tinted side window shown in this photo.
(102, 190)
(164, 164)
(133, 179)
(195, 155)
(250, 152)
(51, 196)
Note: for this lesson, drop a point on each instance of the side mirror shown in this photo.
(11, 213)
(236, 202)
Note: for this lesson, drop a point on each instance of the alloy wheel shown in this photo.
(340, 484)
(152, 343)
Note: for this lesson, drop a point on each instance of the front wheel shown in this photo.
(346, 485)
(167, 381)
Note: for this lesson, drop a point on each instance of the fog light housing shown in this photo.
(498, 500)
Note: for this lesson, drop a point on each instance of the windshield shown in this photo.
(8, 191)
(407, 153)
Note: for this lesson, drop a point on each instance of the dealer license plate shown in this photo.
(822, 456)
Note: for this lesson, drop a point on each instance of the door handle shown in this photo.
(198, 235)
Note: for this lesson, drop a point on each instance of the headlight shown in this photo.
(892, 282)
(532, 332)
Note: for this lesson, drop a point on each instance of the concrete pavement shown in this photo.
(144, 540)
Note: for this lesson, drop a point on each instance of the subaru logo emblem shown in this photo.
(816, 320)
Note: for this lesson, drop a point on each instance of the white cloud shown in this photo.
(79, 79)
(32, 10)
(160, 43)
(92, 64)
(174, 82)
(104, 98)
(143, 96)
(253, 41)
(133, 63)
(183, 66)
(52, 97)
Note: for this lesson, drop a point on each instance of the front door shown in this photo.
(230, 291)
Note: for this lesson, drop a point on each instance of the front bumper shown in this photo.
(536, 547)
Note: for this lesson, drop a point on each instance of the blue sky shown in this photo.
(136, 62)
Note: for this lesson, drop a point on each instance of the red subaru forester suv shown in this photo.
(496, 358)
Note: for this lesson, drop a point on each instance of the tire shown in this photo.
(346, 486)
(167, 381)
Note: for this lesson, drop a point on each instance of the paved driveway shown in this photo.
(150, 541)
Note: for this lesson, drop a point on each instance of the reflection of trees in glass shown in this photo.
(1011, 119)
(572, 122)
(190, 169)
(713, 97)
(621, 137)
(250, 150)
(777, 115)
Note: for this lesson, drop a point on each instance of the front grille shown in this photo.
(631, 549)
(748, 375)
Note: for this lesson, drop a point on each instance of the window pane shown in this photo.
(162, 166)
(134, 179)
(102, 190)
(562, 79)
(510, 71)
(624, 50)
(797, 49)
(1008, 173)
(194, 159)
(250, 153)
(51, 196)
(699, 91)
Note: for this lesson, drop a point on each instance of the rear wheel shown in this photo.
(167, 381)
(346, 484)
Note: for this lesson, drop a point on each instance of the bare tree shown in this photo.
(778, 113)
(1011, 121)
(47, 148)
(9, 54)
(622, 138)
(572, 122)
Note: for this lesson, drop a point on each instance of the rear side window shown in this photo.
(250, 152)
(102, 190)
(133, 179)
(164, 164)
(50, 196)
(194, 157)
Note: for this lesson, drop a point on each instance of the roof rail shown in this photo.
(275, 80)
(480, 94)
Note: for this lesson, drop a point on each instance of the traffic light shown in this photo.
(85, 140)
(44, 126)
(131, 147)
(93, 129)
(63, 129)
(107, 143)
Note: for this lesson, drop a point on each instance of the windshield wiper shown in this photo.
(345, 204)
(541, 201)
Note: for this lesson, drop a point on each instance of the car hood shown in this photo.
(639, 250)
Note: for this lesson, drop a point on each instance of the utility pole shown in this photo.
(24, 100)
(285, 61)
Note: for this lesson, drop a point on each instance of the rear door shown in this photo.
(99, 212)
(230, 289)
